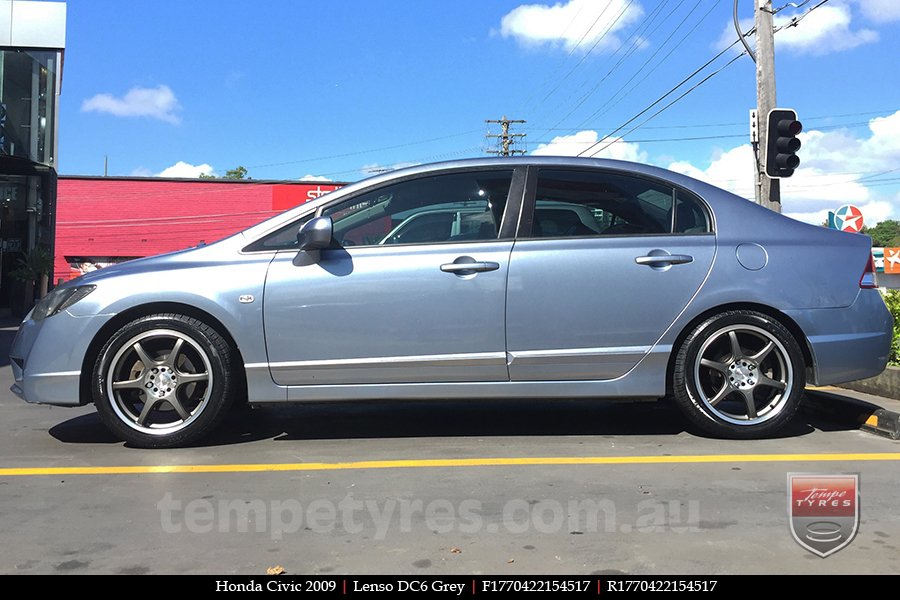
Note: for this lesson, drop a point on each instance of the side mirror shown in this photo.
(316, 234)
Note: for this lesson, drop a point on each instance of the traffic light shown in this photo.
(782, 143)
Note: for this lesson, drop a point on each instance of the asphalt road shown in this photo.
(429, 488)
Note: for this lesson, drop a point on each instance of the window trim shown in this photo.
(526, 218)
(506, 230)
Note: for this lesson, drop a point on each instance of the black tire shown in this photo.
(752, 395)
(190, 383)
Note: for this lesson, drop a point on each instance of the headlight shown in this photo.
(60, 299)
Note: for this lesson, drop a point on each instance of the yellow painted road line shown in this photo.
(454, 462)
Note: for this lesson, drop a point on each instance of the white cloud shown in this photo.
(141, 172)
(566, 23)
(571, 145)
(157, 103)
(825, 30)
(731, 170)
(880, 11)
(314, 178)
(841, 150)
(187, 170)
(837, 167)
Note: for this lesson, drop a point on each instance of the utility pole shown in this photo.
(506, 139)
(768, 191)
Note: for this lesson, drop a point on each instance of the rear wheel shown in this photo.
(163, 380)
(739, 374)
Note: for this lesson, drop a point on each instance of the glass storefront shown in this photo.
(28, 104)
(28, 109)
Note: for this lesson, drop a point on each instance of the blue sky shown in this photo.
(291, 89)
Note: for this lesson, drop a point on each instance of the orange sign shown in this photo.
(892, 260)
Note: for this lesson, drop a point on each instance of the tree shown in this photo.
(885, 234)
(238, 172)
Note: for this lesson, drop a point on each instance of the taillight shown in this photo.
(867, 281)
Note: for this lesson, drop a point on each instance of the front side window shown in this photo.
(283, 239)
(580, 203)
(456, 207)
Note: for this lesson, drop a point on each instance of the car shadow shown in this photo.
(466, 418)
(439, 419)
(84, 429)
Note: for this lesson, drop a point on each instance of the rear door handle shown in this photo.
(664, 259)
(462, 268)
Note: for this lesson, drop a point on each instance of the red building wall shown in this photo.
(100, 217)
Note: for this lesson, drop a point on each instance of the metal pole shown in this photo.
(506, 138)
(768, 191)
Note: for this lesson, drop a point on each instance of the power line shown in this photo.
(671, 91)
(792, 23)
(549, 80)
(596, 43)
(886, 111)
(689, 90)
(419, 160)
(704, 137)
(635, 37)
(359, 152)
(622, 93)
(879, 174)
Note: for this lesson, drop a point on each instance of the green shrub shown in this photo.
(892, 299)
(33, 264)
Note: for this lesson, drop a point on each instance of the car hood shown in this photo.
(180, 259)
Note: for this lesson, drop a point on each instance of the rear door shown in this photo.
(604, 263)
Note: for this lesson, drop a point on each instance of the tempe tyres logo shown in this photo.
(823, 511)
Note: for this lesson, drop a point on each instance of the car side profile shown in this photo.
(525, 277)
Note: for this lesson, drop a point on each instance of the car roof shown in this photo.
(679, 179)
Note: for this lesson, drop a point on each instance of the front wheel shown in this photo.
(739, 374)
(163, 380)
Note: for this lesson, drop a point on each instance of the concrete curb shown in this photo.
(886, 383)
(831, 404)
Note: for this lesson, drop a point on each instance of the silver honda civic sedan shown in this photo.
(487, 278)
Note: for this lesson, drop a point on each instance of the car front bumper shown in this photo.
(47, 358)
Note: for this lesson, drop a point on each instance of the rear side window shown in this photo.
(580, 203)
(690, 216)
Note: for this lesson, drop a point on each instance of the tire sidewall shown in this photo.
(206, 338)
(686, 387)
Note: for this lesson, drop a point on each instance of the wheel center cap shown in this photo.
(160, 382)
(743, 374)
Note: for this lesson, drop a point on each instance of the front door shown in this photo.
(396, 302)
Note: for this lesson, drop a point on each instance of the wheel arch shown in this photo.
(774, 313)
(143, 310)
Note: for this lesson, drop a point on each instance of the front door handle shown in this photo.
(664, 259)
(466, 266)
